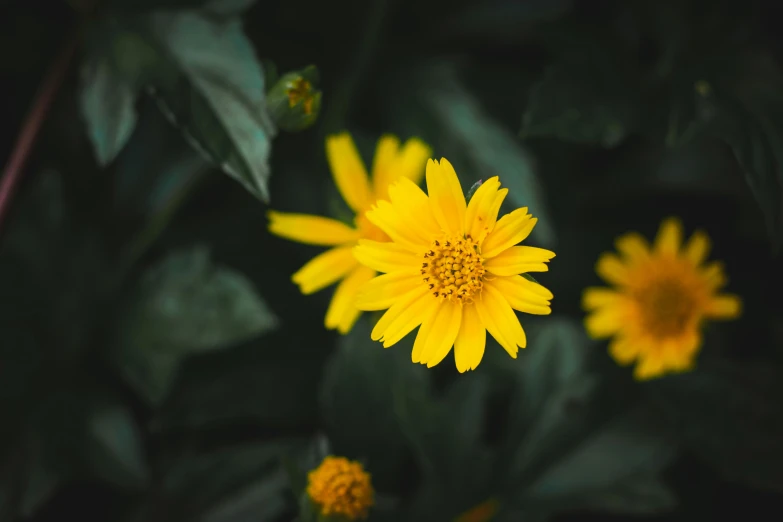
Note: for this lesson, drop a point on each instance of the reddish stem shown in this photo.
(12, 173)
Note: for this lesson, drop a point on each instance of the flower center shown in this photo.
(666, 308)
(453, 268)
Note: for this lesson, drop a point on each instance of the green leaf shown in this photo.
(213, 88)
(444, 113)
(367, 424)
(184, 305)
(642, 495)
(244, 481)
(228, 7)
(108, 107)
(748, 115)
(115, 445)
(731, 416)
(631, 445)
(580, 101)
(551, 407)
(87, 432)
(254, 385)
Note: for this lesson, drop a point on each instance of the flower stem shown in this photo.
(12, 173)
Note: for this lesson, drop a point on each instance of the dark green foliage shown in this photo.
(157, 364)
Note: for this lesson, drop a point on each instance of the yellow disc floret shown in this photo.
(341, 487)
(453, 268)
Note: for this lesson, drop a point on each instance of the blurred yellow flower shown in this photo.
(391, 162)
(662, 296)
(483, 512)
(341, 487)
(452, 268)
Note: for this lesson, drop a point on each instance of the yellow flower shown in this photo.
(341, 487)
(360, 193)
(452, 268)
(663, 295)
(483, 512)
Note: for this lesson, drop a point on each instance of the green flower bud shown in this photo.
(293, 100)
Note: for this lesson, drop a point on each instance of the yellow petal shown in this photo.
(611, 269)
(408, 162)
(519, 260)
(348, 171)
(446, 198)
(413, 208)
(624, 350)
(383, 291)
(417, 313)
(499, 319)
(633, 246)
(725, 306)
(509, 230)
(325, 269)
(523, 295)
(385, 257)
(479, 220)
(471, 340)
(669, 237)
(382, 165)
(713, 275)
(697, 248)
(403, 316)
(679, 353)
(593, 298)
(606, 321)
(313, 230)
(412, 160)
(342, 312)
(386, 217)
(436, 336)
(650, 366)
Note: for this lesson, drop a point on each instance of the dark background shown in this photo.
(592, 112)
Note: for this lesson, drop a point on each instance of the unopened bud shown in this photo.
(294, 101)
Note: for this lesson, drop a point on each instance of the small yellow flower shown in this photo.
(661, 298)
(483, 512)
(392, 161)
(341, 487)
(452, 268)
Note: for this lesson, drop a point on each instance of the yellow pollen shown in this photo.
(453, 268)
(341, 487)
(299, 90)
(666, 307)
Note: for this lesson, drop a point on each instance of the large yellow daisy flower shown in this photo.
(391, 161)
(452, 268)
(661, 298)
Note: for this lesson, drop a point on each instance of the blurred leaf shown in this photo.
(108, 107)
(445, 114)
(366, 424)
(86, 432)
(552, 406)
(630, 445)
(213, 88)
(115, 443)
(260, 386)
(181, 306)
(731, 416)
(502, 20)
(155, 168)
(228, 7)
(747, 113)
(642, 495)
(241, 483)
(580, 101)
